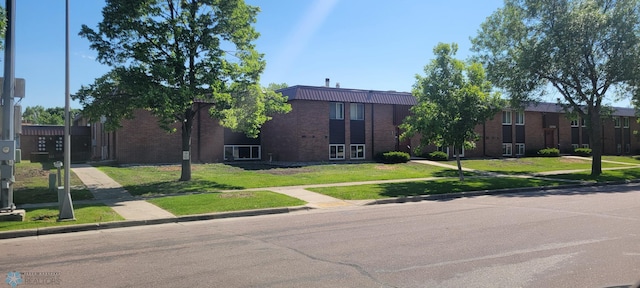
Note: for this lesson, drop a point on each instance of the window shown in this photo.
(59, 144)
(616, 122)
(625, 122)
(42, 144)
(618, 148)
(242, 152)
(627, 148)
(575, 146)
(357, 111)
(336, 151)
(520, 149)
(585, 145)
(336, 110)
(506, 149)
(506, 117)
(357, 151)
(574, 123)
(583, 122)
(520, 118)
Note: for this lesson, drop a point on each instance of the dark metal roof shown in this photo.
(330, 94)
(54, 130)
(555, 108)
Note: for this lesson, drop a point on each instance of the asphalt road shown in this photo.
(587, 237)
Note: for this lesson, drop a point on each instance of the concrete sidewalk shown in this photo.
(111, 193)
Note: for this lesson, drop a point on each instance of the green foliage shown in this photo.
(549, 152)
(393, 157)
(582, 152)
(168, 55)
(437, 156)
(585, 49)
(49, 116)
(453, 98)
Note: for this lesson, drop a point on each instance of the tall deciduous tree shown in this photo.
(587, 50)
(168, 54)
(46, 116)
(453, 98)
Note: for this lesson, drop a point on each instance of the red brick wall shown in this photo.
(300, 135)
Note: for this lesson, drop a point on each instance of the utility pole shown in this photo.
(8, 143)
(66, 211)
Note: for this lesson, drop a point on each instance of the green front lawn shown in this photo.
(635, 160)
(441, 186)
(32, 184)
(607, 175)
(530, 165)
(48, 216)
(221, 202)
(154, 180)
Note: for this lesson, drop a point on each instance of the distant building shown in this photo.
(338, 124)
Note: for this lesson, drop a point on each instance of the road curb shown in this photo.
(132, 223)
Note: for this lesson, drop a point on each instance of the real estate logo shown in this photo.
(32, 278)
(14, 278)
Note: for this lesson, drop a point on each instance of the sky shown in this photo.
(361, 44)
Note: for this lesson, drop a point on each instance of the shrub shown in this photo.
(586, 152)
(549, 152)
(437, 156)
(393, 157)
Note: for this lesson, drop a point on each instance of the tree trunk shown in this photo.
(460, 173)
(596, 144)
(186, 149)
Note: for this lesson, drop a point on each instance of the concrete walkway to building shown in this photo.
(111, 193)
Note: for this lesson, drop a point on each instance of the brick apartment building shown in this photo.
(337, 124)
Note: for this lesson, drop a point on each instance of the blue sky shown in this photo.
(362, 44)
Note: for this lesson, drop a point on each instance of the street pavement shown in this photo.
(579, 237)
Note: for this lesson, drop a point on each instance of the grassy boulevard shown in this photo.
(203, 194)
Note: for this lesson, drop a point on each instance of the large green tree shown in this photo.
(453, 98)
(46, 116)
(168, 54)
(586, 50)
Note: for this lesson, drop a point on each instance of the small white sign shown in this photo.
(185, 155)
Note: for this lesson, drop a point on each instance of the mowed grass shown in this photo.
(635, 160)
(32, 184)
(606, 176)
(221, 202)
(48, 216)
(157, 180)
(530, 165)
(440, 186)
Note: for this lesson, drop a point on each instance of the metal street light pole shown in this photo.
(66, 213)
(7, 151)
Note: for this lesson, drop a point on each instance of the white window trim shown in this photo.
(364, 151)
(509, 147)
(341, 110)
(337, 157)
(616, 122)
(235, 150)
(625, 122)
(351, 114)
(509, 119)
(574, 123)
(585, 145)
(518, 152)
(518, 118)
(575, 146)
